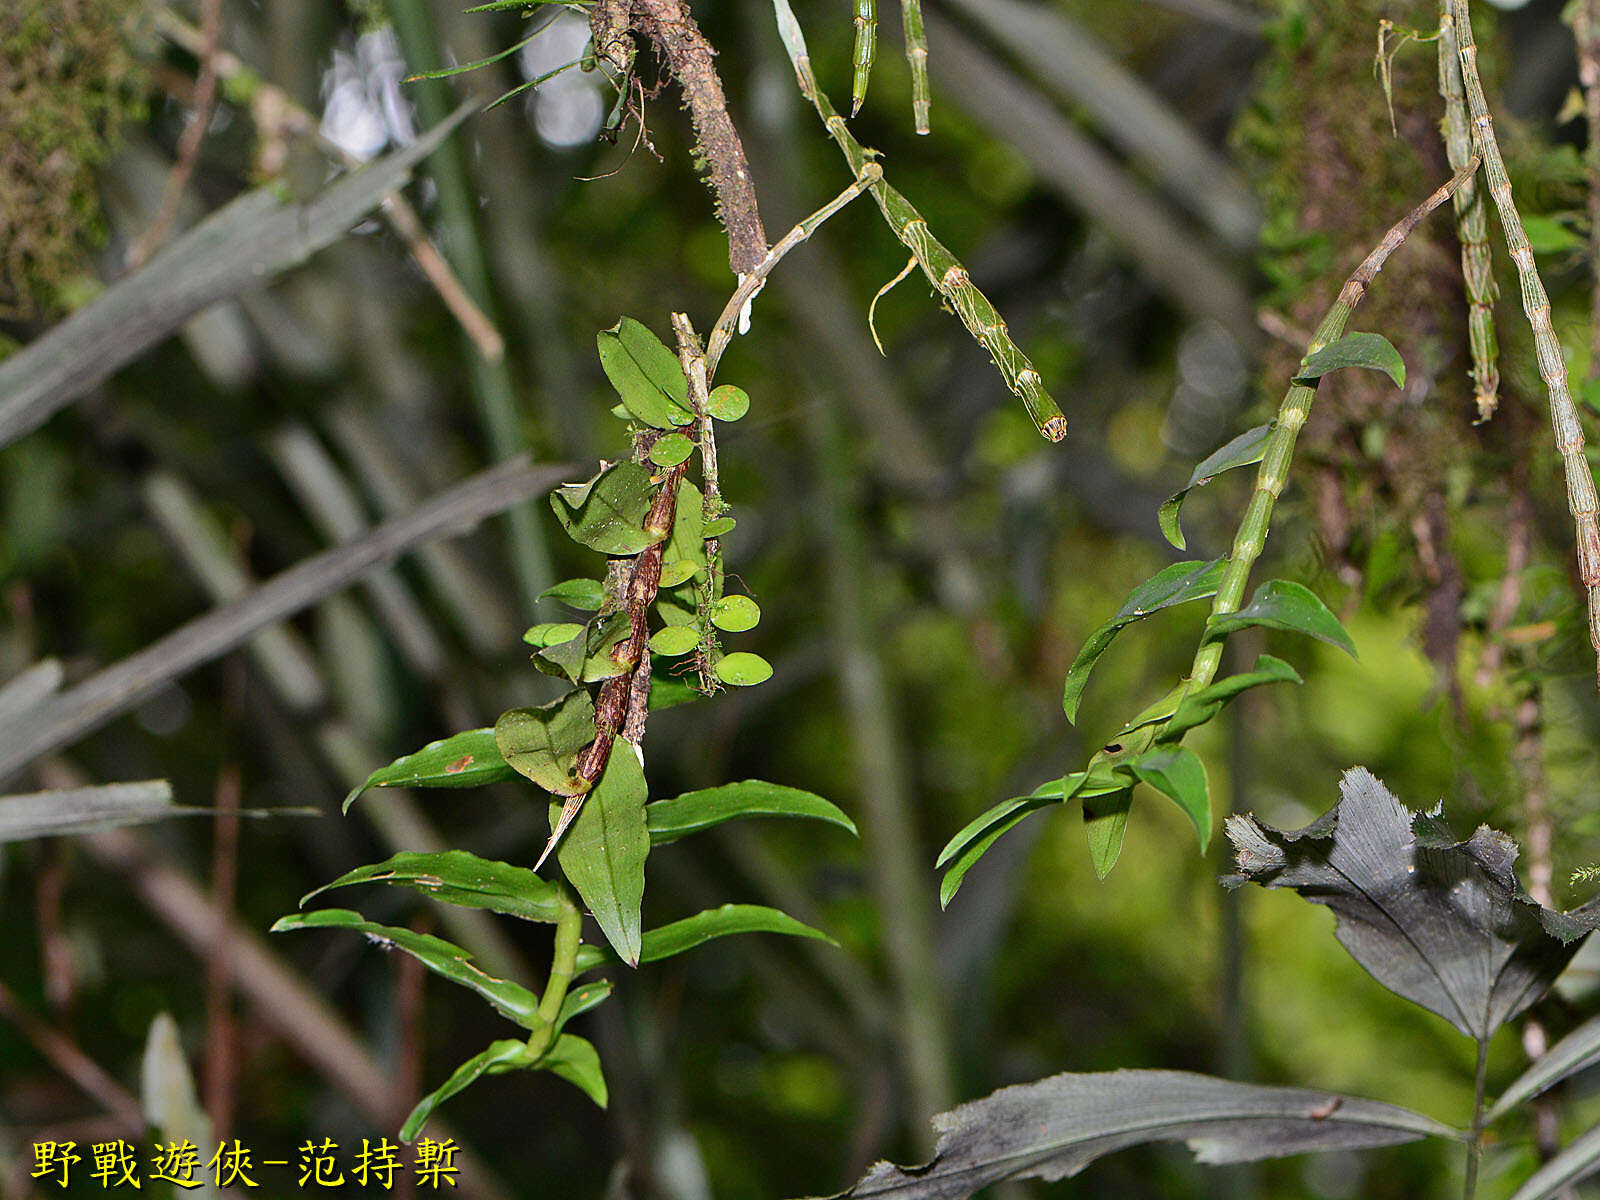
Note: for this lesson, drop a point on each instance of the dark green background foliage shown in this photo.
(927, 569)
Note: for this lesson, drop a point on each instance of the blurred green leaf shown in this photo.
(607, 513)
(1243, 451)
(692, 812)
(445, 72)
(1175, 584)
(1549, 234)
(167, 1094)
(79, 810)
(439, 956)
(603, 852)
(543, 743)
(694, 931)
(1283, 604)
(457, 877)
(1370, 350)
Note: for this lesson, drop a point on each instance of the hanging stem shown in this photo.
(917, 56)
(1274, 470)
(866, 41)
(1581, 499)
(941, 267)
(1472, 224)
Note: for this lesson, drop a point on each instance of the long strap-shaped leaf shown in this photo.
(941, 267)
(1581, 497)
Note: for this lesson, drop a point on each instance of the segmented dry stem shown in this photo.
(941, 267)
(1536, 303)
(1271, 476)
(917, 56)
(866, 43)
(1586, 32)
(1472, 224)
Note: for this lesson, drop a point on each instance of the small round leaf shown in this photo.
(727, 403)
(743, 669)
(670, 450)
(679, 570)
(552, 633)
(735, 614)
(675, 640)
(718, 527)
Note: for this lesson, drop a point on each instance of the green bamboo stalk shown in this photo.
(941, 267)
(1472, 224)
(866, 42)
(1581, 499)
(1251, 537)
(917, 56)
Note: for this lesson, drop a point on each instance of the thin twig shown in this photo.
(221, 1032)
(204, 104)
(1472, 224)
(1581, 498)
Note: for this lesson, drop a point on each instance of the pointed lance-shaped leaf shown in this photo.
(1209, 701)
(457, 877)
(1283, 604)
(646, 375)
(1370, 350)
(1443, 923)
(1243, 451)
(690, 932)
(1575, 1053)
(439, 956)
(467, 759)
(1175, 584)
(691, 812)
(603, 852)
(962, 852)
(1053, 1128)
(509, 1054)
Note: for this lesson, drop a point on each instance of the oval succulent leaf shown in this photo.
(719, 527)
(670, 450)
(743, 669)
(679, 570)
(735, 614)
(1370, 350)
(675, 640)
(469, 759)
(552, 633)
(727, 403)
(586, 595)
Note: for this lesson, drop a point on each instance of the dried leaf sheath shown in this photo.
(1472, 224)
(1581, 499)
(941, 267)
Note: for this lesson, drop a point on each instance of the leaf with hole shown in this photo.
(692, 812)
(1370, 350)
(1283, 604)
(743, 669)
(703, 927)
(603, 851)
(1176, 584)
(439, 956)
(1243, 451)
(607, 513)
(543, 743)
(727, 403)
(457, 877)
(735, 614)
(469, 759)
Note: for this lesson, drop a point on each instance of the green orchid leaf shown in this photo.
(964, 850)
(703, 927)
(721, 527)
(671, 449)
(577, 1061)
(586, 595)
(675, 640)
(1282, 604)
(1370, 350)
(1209, 701)
(607, 513)
(603, 852)
(735, 614)
(1175, 584)
(1180, 775)
(439, 956)
(543, 743)
(508, 1054)
(727, 403)
(743, 669)
(1105, 819)
(580, 1000)
(692, 812)
(645, 374)
(552, 633)
(469, 759)
(1243, 451)
(456, 877)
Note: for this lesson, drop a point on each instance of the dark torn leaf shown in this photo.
(1443, 923)
(1055, 1127)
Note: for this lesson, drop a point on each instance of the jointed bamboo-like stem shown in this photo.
(1581, 497)
(1472, 223)
(866, 42)
(917, 56)
(1251, 537)
(941, 267)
